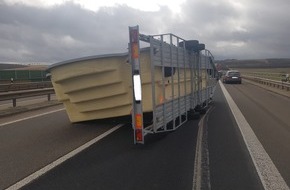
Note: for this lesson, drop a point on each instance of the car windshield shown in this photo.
(234, 74)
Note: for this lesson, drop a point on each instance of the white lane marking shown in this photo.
(267, 171)
(201, 175)
(31, 117)
(198, 156)
(59, 161)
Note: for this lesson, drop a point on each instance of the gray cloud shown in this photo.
(247, 30)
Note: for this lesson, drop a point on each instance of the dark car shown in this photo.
(232, 76)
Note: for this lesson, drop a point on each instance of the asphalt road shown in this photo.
(230, 163)
(30, 144)
(166, 161)
(269, 116)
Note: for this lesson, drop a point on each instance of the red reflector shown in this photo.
(135, 51)
(139, 135)
(134, 35)
(138, 121)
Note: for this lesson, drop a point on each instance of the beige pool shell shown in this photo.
(101, 86)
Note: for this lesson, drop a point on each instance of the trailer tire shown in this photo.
(193, 115)
(203, 110)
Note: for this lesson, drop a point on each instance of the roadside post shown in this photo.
(137, 113)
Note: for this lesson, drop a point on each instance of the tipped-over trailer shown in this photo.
(181, 80)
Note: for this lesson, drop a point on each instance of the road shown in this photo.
(230, 163)
(268, 114)
(29, 144)
(166, 161)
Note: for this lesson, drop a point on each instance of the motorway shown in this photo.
(32, 140)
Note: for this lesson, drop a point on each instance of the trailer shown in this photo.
(182, 81)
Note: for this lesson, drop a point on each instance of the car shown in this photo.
(232, 76)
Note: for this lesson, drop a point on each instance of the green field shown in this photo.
(268, 73)
(266, 70)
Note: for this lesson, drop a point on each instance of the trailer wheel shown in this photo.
(203, 110)
(193, 115)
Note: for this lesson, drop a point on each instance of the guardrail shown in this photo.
(24, 86)
(273, 83)
(26, 94)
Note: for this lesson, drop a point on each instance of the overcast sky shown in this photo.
(57, 30)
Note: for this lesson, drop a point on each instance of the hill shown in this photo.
(7, 66)
(255, 63)
(4, 66)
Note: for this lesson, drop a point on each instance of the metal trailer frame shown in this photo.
(206, 64)
(184, 68)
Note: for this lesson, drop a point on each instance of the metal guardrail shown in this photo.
(26, 94)
(24, 86)
(269, 82)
